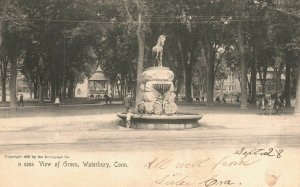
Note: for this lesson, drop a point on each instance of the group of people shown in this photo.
(271, 104)
(107, 96)
(200, 99)
(218, 100)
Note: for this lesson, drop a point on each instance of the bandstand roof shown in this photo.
(98, 75)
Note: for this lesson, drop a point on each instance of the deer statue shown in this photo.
(158, 49)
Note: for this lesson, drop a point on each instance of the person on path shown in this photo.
(106, 98)
(223, 99)
(263, 103)
(128, 118)
(21, 99)
(238, 99)
(110, 96)
(127, 102)
(202, 98)
(57, 101)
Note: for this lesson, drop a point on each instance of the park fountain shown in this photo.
(160, 109)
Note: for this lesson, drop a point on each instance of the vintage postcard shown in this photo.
(145, 93)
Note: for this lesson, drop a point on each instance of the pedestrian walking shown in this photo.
(237, 99)
(128, 118)
(271, 102)
(21, 100)
(277, 104)
(202, 99)
(106, 98)
(127, 102)
(110, 96)
(263, 103)
(223, 99)
(57, 101)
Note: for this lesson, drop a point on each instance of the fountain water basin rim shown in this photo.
(176, 116)
(162, 122)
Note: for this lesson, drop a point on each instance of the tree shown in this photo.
(3, 68)
(13, 30)
(141, 7)
(115, 58)
(3, 56)
(283, 33)
(60, 49)
(295, 47)
(243, 68)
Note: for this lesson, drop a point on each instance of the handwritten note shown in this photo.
(178, 171)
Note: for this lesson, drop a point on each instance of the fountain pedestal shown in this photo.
(158, 91)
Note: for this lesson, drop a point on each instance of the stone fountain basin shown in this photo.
(162, 122)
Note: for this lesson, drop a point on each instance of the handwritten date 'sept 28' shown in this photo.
(259, 152)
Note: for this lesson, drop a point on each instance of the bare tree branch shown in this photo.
(127, 11)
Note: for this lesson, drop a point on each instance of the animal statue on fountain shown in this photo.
(158, 49)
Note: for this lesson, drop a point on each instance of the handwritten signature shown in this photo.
(180, 179)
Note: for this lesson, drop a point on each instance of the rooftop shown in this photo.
(98, 75)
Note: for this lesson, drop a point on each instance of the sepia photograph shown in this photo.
(148, 93)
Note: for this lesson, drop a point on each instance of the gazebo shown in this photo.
(98, 84)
